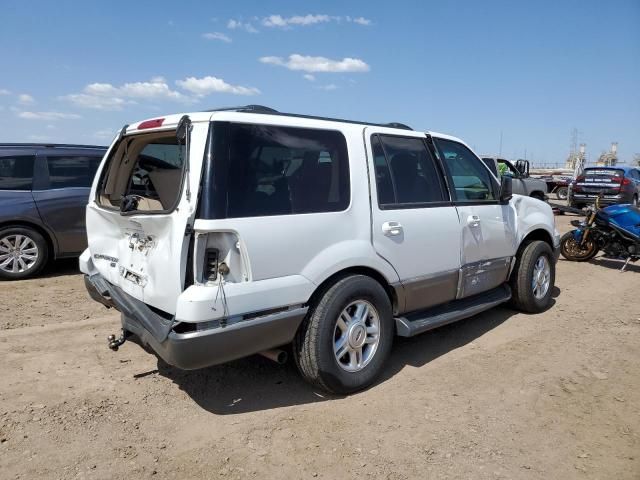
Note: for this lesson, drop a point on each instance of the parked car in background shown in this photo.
(617, 185)
(43, 195)
(226, 233)
(522, 183)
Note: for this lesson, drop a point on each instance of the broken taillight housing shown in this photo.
(210, 272)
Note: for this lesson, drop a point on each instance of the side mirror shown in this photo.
(522, 166)
(506, 189)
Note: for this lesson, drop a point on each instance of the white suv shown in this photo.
(227, 233)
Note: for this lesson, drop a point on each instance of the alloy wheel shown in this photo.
(356, 336)
(18, 253)
(541, 277)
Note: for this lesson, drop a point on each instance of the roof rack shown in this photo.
(245, 108)
(270, 111)
(52, 145)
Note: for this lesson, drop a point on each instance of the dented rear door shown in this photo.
(145, 254)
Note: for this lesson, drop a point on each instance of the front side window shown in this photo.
(282, 170)
(406, 175)
(470, 179)
(72, 171)
(16, 172)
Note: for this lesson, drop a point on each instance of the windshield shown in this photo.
(144, 173)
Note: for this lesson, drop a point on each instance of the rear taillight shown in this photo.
(210, 272)
(155, 123)
(626, 181)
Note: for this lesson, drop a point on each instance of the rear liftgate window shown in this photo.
(144, 174)
(280, 170)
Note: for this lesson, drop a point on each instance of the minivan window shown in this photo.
(470, 178)
(72, 171)
(16, 172)
(146, 169)
(282, 170)
(406, 175)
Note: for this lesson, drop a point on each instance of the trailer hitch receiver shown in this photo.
(115, 343)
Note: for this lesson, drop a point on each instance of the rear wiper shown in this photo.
(129, 203)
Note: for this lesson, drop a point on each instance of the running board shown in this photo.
(418, 322)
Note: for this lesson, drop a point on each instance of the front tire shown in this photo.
(23, 252)
(346, 337)
(533, 277)
(572, 251)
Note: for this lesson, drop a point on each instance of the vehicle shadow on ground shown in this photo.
(615, 264)
(255, 383)
(61, 268)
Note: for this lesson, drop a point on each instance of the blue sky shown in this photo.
(77, 71)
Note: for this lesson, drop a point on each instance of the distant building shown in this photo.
(576, 158)
(610, 158)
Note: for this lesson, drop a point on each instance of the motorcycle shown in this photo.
(615, 230)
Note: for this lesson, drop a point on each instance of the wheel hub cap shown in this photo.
(541, 277)
(356, 336)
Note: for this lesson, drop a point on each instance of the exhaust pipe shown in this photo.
(276, 355)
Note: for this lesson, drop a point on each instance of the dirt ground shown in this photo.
(500, 395)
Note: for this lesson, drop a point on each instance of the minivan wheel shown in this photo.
(346, 337)
(23, 252)
(533, 277)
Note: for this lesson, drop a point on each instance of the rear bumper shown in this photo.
(198, 348)
(589, 198)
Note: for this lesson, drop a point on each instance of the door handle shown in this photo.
(391, 229)
(473, 220)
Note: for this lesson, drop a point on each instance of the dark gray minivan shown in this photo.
(43, 193)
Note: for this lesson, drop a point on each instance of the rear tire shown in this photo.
(23, 252)
(634, 201)
(538, 196)
(326, 344)
(561, 193)
(570, 249)
(533, 277)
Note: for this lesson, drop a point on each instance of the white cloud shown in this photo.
(362, 21)
(216, 36)
(39, 138)
(207, 85)
(104, 96)
(328, 88)
(96, 101)
(105, 133)
(318, 64)
(278, 21)
(26, 99)
(50, 127)
(238, 25)
(301, 20)
(49, 116)
(308, 76)
(4, 91)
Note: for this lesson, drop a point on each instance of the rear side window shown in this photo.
(283, 171)
(469, 177)
(406, 175)
(72, 171)
(16, 173)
